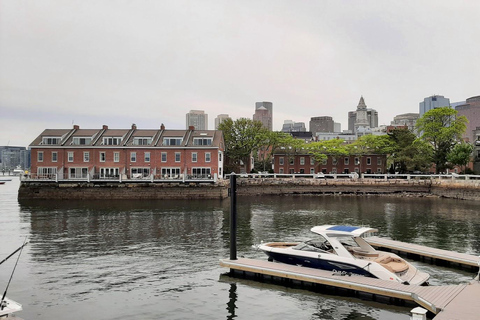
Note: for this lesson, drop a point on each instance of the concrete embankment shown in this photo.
(121, 190)
(467, 190)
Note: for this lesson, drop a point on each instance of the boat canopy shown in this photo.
(342, 230)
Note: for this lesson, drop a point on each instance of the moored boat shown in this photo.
(8, 306)
(343, 250)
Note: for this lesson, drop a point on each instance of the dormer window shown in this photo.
(172, 141)
(51, 140)
(112, 141)
(142, 141)
(202, 141)
(80, 141)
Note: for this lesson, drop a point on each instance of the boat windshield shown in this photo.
(315, 246)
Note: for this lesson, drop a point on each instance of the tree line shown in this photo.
(437, 143)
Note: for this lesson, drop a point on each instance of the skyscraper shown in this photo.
(268, 123)
(321, 124)
(197, 119)
(433, 102)
(262, 115)
(219, 119)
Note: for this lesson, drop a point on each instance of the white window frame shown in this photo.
(167, 141)
(147, 156)
(103, 156)
(281, 161)
(70, 156)
(164, 156)
(54, 156)
(116, 157)
(194, 157)
(178, 157)
(106, 173)
(302, 161)
(139, 172)
(81, 141)
(208, 156)
(142, 141)
(133, 156)
(369, 161)
(346, 161)
(112, 141)
(78, 173)
(46, 172)
(40, 156)
(202, 141)
(86, 156)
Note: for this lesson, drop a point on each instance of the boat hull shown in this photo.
(318, 263)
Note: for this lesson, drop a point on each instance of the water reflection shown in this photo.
(232, 299)
(166, 253)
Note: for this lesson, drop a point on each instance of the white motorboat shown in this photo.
(343, 250)
(8, 306)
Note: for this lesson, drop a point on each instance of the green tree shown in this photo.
(409, 153)
(272, 140)
(243, 137)
(460, 154)
(320, 150)
(442, 129)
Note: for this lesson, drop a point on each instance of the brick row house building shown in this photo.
(286, 163)
(127, 154)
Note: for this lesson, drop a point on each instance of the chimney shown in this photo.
(191, 128)
(105, 127)
(76, 126)
(162, 127)
(134, 126)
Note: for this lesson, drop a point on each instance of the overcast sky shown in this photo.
(117, 62)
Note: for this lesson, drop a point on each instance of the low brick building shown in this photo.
(305, 164)
(127, 153)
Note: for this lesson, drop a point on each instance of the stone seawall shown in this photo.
(299, 186)
(466, 190)
(116, 190)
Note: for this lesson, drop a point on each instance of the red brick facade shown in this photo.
(131, 154)
(304, 163)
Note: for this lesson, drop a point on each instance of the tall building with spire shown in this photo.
(361, 118)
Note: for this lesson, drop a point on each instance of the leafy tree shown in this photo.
(409, 153)
(272, 141)
(442, 130)
(322, 149)
(460, 154)
(243, 137)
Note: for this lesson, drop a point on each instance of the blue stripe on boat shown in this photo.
(343, 228)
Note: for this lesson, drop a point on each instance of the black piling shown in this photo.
(233, 217)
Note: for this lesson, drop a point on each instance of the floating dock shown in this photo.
(446, 302)
(426, 253)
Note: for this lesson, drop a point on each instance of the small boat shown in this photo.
(344, 251)
(2, 182)
(8, 306)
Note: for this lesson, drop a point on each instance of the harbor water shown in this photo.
(109, 260)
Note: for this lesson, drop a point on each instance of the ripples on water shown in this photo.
(160, 259)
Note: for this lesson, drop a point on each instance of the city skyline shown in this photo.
(149, 63)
